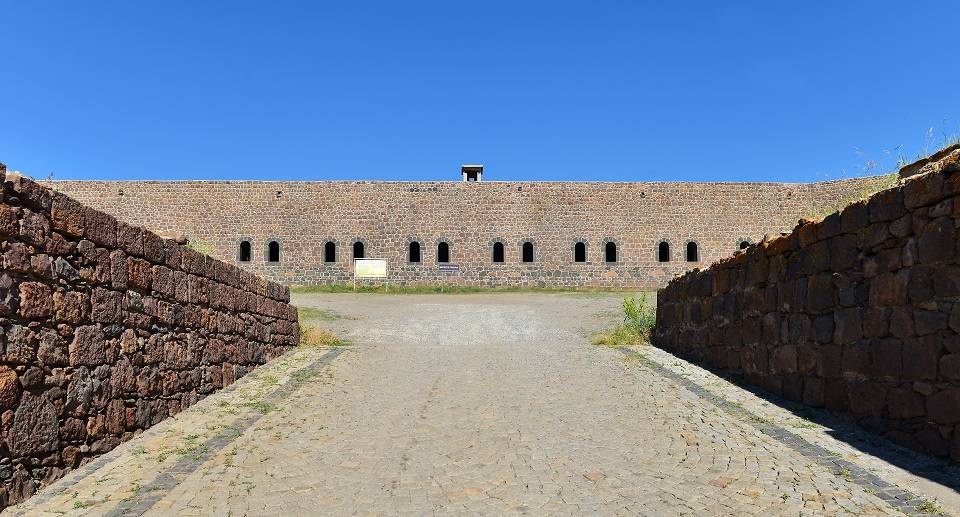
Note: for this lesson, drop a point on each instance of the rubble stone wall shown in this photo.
(858, 312)
(107, 329)
(386, 216)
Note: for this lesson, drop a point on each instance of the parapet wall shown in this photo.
(859, 312)
(108, 329)
(470, 217)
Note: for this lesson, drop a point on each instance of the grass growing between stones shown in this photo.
(312, 333)
(931, 507)
(636, 327)
(871, 187)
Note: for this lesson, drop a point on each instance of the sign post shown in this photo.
(447, 267)
(369, 268)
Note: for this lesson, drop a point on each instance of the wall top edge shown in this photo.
(447, 182)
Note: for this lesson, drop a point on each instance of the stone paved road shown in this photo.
(472, 404)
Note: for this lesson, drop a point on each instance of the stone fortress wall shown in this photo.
(106, 329)
(469, 216)
(858, 312)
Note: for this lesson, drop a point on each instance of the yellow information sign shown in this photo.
(370, 268)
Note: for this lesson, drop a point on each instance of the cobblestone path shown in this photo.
(478, 404)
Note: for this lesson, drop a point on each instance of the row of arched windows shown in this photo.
(692, 252)
(245, 254)
(527, 251)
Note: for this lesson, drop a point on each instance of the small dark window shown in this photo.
(693, 255)
(528, 252)
(330, 252)
(414, 252)
(744, 245)
(244, 251)
(443, 252)
(358, 250)
(273, 251)
(663, 252)
(498, 252)
(579, 252)
(610, 252)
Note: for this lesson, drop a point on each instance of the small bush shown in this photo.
(636, 328)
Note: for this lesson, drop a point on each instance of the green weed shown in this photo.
(636, 328)
(931, 507)
(200, 246)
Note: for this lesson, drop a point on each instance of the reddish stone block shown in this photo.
(34, 430)
(139, 273)
(130, 239)
(9, 225)
(70, 306)
(52, 351)
(118, 269)
(35, 300)
(34, 228)
(106, 306)
(88, 346)
(9, 388)
(67, 215)
(100, 228)
(30, 193)
(153, 248)
(16, 257)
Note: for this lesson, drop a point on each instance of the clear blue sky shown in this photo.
(553, 90)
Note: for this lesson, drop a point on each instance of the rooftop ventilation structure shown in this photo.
(471, 172)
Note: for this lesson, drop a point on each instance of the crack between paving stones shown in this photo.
(172, 476)
(902, 500)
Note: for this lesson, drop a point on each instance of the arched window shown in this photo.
(273, 251)
(693, 254)
(244, 251)
(414, 255)
(330, 252)
(527, 251)
(663, 252)
(498, 252)
(358, 250)
(610, 252)
(443, 252)
(744, 245)
(580, 252)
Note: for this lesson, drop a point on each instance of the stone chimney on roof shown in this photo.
(471, 172)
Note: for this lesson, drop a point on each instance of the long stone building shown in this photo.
(468, 233)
